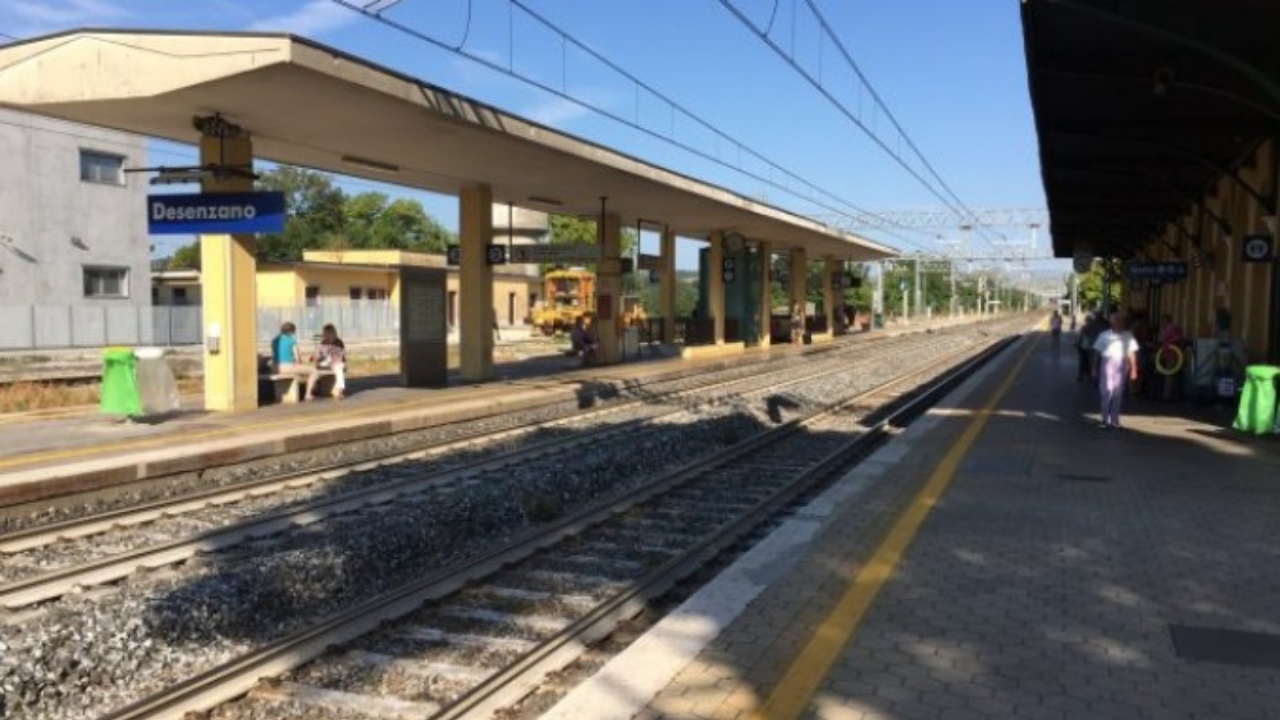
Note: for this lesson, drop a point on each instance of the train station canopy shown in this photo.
(1141, 106)
(314, 106)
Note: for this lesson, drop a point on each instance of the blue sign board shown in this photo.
(215, 213)
(1160, 271)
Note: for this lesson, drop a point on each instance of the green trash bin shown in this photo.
(878, 321)
(1257, 413)
(119, 383)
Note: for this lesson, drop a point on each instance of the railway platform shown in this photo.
(45, 455)
(1003, 557)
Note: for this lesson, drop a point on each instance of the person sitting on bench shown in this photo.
(287, 356)
(331, 355)
(584, 340)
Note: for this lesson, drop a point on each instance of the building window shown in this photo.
(102, 168)
(179, 296)
(376, 293)
(313, 295)
(356, 293)
(101, 282)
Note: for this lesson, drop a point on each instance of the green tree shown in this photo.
(1091, 284)
(315, 213)
(186, 257)
(572, 230)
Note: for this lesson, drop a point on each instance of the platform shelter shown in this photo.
(1159, 128)
(286, 99)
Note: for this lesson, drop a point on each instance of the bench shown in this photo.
(289, 387)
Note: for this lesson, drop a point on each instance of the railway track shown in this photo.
(45, 563)
(475, 637)
(66, 512)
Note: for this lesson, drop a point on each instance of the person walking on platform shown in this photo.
(1055, 327)
(1118, 363)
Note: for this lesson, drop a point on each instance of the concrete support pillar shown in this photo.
(609, 290)
(475, 283)
(831, 297)
(667, 287)
(228, 286)
(766, 295)
(799, 273)
(715, 284)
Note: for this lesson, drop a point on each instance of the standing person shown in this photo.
(287, 356)
(1055, 327)
(1118, 363)
(331, 355)
(797, 323)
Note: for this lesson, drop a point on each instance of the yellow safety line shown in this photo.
(792, 694)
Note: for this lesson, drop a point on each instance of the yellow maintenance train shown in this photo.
(570, 294)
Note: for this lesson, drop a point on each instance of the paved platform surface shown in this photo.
(1045, 580)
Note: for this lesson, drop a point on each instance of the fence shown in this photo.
(48, 327)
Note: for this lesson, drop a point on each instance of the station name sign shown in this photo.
(215, 213)
(526, 254)
(1163, 271)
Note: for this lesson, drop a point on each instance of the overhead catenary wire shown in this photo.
(844, 52)
(827, 200)
(947, 196)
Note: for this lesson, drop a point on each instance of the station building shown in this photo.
(74, 250)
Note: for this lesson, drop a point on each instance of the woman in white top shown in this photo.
(1117, 363)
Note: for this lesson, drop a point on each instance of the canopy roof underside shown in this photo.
(1142, 106)
(309, 105)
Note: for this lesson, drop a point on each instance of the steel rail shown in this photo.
(49, 533)
(49, 585)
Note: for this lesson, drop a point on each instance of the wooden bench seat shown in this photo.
(289, 387)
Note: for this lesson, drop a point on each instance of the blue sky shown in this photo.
(952, 73)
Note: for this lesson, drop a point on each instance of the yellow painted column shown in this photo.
(475, 280)
(227, 286)
(829, 268)
(609, 290)
(667, 286)
(766, 294)
(799, 273)
(715, 285)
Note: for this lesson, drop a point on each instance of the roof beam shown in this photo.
(1257, 76)
(1266, 202)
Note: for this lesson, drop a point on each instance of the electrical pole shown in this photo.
(877, 301)
(919, 301)
(953, 288)
(1075, 294)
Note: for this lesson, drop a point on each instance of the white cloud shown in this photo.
(316, 17)
(554, 112)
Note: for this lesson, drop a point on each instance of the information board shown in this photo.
(423, 327)
(532, 254)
